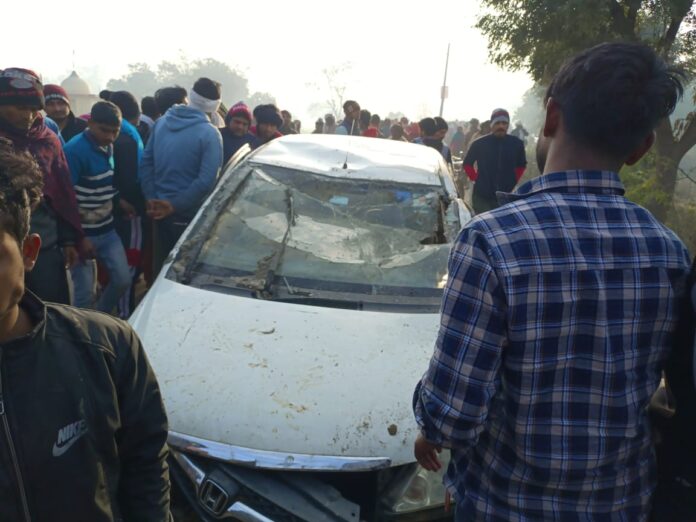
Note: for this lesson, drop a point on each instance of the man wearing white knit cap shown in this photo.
(180, 165)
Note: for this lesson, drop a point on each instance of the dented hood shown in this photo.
(286, 377)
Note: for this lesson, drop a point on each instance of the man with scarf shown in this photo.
(180, 165)
(56, 219)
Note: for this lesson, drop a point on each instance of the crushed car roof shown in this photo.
(363, 158)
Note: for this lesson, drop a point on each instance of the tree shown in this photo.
(334, 88)
(260, 98)
(143, 81)
(539, 35)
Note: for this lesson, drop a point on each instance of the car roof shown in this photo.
(364, 158)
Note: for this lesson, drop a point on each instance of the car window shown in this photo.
(292, 235)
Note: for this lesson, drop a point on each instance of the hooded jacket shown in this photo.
(182, 159)
(82, 425)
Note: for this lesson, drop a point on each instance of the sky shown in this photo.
(394, 51)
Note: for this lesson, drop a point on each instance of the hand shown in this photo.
(159, 208)
(127, 208)
(426, 454)
(88, 249)
(71, 256)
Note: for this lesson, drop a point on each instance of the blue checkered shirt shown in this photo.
(556, 321)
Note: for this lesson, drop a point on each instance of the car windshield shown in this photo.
(291, 235)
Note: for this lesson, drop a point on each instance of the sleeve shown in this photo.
(126, 172)
(521, 159)
(146, 172)
(74, 163)
(67, 235)
(211, 162)
(471, 157)
(142, 440)
(451, 401)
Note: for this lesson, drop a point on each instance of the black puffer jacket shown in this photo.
(82, 425)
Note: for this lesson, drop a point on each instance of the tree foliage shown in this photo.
(539, 35)
(142, 80)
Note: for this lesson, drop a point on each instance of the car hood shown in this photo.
(286, 377)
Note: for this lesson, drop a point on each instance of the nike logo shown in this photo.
(69, 435)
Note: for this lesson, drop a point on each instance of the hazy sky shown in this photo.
(396, 49)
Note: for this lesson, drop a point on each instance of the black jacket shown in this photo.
(73, 127)
(497, 159)
(126, 174)
(82, 426)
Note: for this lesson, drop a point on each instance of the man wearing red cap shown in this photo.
(58, 109)
(56, 220)
(500, 162)
(236, 133)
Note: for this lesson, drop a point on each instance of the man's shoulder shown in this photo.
(88, 328)
(76, 142)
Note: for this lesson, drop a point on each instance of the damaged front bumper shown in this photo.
(222, 482)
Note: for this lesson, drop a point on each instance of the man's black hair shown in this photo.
(427, 127)
(168, 96)
(106, 113)
(365, 116)
(613, 95)
(351, 103)
(105, 94)
(149, 107)
(375, 119)
(440, 123)
(127, 103)
(21, 184)
(208, 88)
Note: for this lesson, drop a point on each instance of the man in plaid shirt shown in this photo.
(559, 315)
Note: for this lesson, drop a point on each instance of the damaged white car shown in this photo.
(290, 325)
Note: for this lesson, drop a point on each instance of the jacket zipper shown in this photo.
(13, 453)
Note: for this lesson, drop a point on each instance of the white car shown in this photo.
(291, 323)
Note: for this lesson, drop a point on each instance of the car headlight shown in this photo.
(416, 489)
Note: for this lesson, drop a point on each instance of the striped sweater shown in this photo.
(92, 170)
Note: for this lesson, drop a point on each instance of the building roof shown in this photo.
(75, 86)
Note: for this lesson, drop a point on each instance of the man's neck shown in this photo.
(572, 156)
(15, 323)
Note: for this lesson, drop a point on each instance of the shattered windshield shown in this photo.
(296, 236)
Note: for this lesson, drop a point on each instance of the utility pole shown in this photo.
(444, 91)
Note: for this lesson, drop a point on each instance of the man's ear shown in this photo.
(30, 251)
(553, 118)
(641, 150)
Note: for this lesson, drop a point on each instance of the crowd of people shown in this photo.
(138, 172)
(564, 305)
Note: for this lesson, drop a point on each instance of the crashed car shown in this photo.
(289, 327)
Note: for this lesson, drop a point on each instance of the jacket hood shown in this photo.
(180, 117)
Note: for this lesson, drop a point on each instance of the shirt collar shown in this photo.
(568, 182)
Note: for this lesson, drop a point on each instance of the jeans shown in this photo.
(111, 254)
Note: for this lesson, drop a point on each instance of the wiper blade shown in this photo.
(266, 292)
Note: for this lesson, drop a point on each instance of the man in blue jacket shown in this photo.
(90, 157)
(180, 166)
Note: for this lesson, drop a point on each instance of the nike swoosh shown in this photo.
(59, 450)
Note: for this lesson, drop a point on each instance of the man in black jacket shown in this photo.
(495, 162)
(82, 426)
(59, 110)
